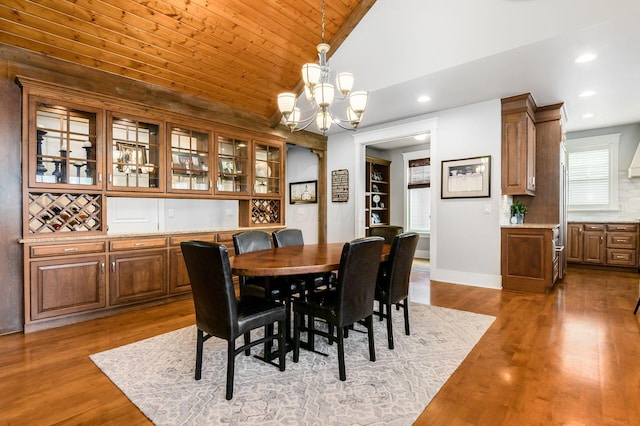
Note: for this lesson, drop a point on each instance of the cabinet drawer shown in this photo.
(626, 240)
(137, 244)
(64, 249)
(594, 226)
(623, 227)
(226, 237)
(622, 257)
(175, 241)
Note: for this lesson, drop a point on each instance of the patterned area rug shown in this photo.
(156, 374)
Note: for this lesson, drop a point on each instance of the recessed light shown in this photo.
(587, 57)
(587, 115)
(587, 93)
(424, 98)
(421, 137)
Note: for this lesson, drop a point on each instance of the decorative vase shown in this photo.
(519, 218)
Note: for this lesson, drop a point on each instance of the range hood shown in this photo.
(634, 168)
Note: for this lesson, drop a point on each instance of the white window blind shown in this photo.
(589, 177)
(592, 173)
(419, 211)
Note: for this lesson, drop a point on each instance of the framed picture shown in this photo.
(303, 192)
(226, 165)
(466, 178)
(131, 155)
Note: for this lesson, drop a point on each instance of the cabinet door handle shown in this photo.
(70, 249)
(113, 266)
(99, 177)
(109, 177)
(102, 267)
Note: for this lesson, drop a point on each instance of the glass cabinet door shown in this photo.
(65, 143)
(233, 165)
(267, 162)
(135, 155)
(190, 160)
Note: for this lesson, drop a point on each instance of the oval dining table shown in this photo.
(293, 260)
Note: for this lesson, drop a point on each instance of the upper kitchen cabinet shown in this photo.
(190, 160)
(232, 162)
(136, 154)
(64, 146)
(518, 145)
(268, 168)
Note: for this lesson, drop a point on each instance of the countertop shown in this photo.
(73, 236)
(531, 225)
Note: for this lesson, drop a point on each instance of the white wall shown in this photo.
(465, 246)
(628, 189)
(302, 165)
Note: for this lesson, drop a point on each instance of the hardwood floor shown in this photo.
(568, 357)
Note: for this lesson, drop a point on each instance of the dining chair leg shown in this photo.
(231, 351)
(281, 344)
(297, 320)
(389, 326)
(247, 340)
(405, 305)
(635, 311)
(380, 310)
(199, 344)
(372, 348)
(341, 369)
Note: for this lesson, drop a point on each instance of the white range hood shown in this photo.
(634, 168)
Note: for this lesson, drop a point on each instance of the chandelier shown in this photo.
(320, 93)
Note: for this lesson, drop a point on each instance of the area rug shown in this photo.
(156, 374)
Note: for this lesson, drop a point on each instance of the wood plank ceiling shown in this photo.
(240, 53)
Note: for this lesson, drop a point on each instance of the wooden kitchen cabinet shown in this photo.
(137, 276)
(529, 261)
(67, 285)
(518, 145)
(603, 244)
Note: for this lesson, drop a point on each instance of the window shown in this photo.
(592, 166)
(418, 183)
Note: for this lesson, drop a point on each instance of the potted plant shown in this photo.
(517, 212)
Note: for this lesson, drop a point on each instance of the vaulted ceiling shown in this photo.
(239, 53)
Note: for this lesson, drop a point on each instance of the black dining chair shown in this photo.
(392, 285)
(387, 232)
(272, 288)
(349, 302)
(220, 314)
(289, 237)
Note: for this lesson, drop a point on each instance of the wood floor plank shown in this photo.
(567, 357)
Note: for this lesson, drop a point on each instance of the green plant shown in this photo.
(518, 208)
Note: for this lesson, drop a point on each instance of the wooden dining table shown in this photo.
(293, 260)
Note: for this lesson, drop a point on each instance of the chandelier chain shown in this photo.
(323, 21)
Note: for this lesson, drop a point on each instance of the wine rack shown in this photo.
(265, 212)
(57, 213)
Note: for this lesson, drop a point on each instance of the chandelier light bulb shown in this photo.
(344, 82)
(324, 94)
(293, 119)
(323, 120)
(358, 101)
(353, 117)
(311, 74)
(286, 102)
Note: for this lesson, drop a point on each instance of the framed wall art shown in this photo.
(466, 177)
(303, 192)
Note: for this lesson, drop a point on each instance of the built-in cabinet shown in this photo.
(530, 260)
(603, 244)
(80, 149)
(377, 192)
(71, 281)
(518, 145)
